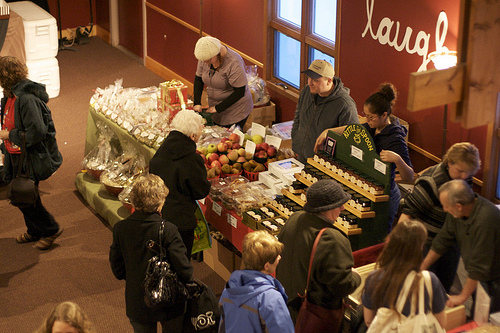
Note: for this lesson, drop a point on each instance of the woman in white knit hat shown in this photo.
(222, 71)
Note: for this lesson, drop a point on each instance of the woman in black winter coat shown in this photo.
(184, 173)
(129, 256)
(25, 114)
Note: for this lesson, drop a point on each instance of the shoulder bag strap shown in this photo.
(316, 241)
(160, 238)
(403, 294)
(23, 148)
(428, 286)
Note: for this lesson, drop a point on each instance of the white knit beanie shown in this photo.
(206, 48)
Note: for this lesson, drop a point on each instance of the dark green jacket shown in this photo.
(331, 278)
(38, 125)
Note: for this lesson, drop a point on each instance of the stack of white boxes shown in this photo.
(41, 43)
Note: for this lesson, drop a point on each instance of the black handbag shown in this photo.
(23, 191)
(203, 311)
(162, 287)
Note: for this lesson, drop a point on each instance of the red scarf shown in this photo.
(9, 124)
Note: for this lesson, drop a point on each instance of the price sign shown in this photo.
(232, 220)
(217, 208)
(380, 166)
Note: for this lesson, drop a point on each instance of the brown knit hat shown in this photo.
(324, 195)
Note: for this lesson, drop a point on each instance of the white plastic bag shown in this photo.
(388, 321)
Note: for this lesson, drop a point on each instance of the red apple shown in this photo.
(236, 145)
(229, 144)
(212, 157)
(262, 154)
(271, 151)
(221, 147)
(234, 137)
(215, 164)
(223, 159)
(264, 146)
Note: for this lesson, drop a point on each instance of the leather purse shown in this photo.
(162, 287)
(313, 317)
(22, 190)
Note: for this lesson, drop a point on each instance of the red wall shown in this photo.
(364, 62)
(172, 44)
(74, 13)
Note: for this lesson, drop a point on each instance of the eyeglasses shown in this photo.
(370, 117)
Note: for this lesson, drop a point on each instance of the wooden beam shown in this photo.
(481, 49)
(435, 87)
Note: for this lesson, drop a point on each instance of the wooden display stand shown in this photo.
(355, 147)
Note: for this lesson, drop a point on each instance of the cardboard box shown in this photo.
(264, 115)
(220, 259)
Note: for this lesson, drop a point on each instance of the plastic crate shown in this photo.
(40, 30)
(45, 71)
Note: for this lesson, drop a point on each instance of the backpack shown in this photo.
(387, 320)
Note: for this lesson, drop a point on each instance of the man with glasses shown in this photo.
(461, 161)
(323, 103)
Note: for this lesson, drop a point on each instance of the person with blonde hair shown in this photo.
(129, 256)
(253, 300)
(184, 173)
(401, 256)
(66, 317)
(461, 161)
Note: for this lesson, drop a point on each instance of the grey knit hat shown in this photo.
(324, 195)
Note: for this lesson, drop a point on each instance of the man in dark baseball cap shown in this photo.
(323, 103)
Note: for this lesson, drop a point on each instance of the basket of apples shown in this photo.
(221, 159)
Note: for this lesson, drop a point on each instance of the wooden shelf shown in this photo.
(351, 209)
(362, 191)
(296, 199)
(293, 197)
(360, 214)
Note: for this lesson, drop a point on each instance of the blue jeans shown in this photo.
(394, 199)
